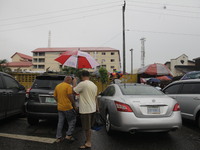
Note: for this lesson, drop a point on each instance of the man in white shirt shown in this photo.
(87, 105)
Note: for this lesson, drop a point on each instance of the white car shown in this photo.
(138, 108)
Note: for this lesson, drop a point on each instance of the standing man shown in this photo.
(87, 105)
(65, 105)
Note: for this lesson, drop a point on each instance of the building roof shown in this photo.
(85, 49)
(196, 58)
(19, 64)
(22, 56)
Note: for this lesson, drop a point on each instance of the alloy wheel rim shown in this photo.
(107, 123)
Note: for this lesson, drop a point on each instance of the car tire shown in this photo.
(108, 124)
(32, 121)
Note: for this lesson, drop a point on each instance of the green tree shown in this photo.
(3, 66)
(103, 75)
(71, 71)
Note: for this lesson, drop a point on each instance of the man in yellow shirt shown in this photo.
(65, 105)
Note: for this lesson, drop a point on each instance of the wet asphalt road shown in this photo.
(187, 138)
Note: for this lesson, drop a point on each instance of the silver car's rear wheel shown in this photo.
(108, 124)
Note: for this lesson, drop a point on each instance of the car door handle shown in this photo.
(196, 98)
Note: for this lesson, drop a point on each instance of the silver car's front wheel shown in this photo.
(108, 124)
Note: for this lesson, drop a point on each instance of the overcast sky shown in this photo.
(171, 27)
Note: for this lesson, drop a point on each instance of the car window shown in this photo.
(1, 83)
(173, 89)
(10, 82)
(111, 91)
(45, 84)
(191, 88)
(140, 90)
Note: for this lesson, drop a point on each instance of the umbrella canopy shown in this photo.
(164, 78)
(156, 69)
(77, 59)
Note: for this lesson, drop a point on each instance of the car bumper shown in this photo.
(128, 122)
(41, 110)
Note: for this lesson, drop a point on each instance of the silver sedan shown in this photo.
(138, 108)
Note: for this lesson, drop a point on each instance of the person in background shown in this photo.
(87, 105)
(65, 104)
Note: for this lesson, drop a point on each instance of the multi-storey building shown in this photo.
(44, 58)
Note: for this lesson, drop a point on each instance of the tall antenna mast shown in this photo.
(142, 51)
(49, 40)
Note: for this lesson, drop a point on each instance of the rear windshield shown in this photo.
(48, 83)
(140, 90)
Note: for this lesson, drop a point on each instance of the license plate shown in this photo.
(50, 100)
(153, 110)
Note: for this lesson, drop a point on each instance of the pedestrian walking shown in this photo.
(87, 105)
(63, 94)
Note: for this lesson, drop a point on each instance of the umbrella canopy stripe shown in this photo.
(155, 69)
(77, 59)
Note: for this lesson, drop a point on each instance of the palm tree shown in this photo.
(3, 66)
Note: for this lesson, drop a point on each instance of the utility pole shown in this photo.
(142, 51)
(131, 60)
(124, 51)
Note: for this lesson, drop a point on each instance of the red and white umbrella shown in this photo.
(156, 69)
(77, 59)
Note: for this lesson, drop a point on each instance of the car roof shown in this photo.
(50, 77)
(186, 81)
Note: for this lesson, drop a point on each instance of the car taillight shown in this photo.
(123, 107)
(176, 107)
(28, 92)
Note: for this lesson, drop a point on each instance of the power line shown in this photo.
(150, 12)
(59, 21)
(80, 12)
(52, 12)
(166, 9)
(172, 33)
(153, 3)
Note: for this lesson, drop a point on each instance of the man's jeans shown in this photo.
(70, 115)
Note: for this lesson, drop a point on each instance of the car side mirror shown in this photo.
(101, 94)
(21, 87)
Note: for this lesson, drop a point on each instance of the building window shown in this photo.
(35, 60)
(41, 60)
(112, 67)
(35, 66)
(112, 53)
(112, 60)
(40, 66)
(103, 53)
(104, 66)
(35, 53)
(41, 54)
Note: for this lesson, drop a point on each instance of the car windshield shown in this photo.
(139, 90)
(45, 84)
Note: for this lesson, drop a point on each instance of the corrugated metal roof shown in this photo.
(23, 56)
(86, 49)
(19, 64)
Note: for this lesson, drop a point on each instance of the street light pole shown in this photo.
(131, 60)
(124, 51)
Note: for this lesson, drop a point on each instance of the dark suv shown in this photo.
(41, 103)
(12, 96)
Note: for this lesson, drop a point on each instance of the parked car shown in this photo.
(191, 75)
(187, 93)
(41, 103)
(12, 96)
(138, 108)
